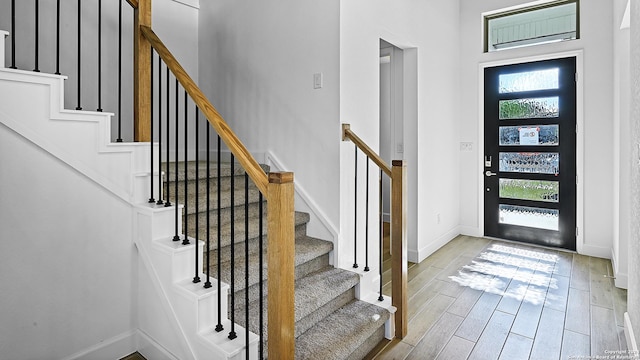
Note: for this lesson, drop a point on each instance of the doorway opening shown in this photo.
(391, 112)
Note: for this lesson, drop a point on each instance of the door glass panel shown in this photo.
(535, 190)
(529, 81)
(529, 216)
(534, 163)
(529, 135)
(529, 108)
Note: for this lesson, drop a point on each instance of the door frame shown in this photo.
(578, 54)
(394, 137)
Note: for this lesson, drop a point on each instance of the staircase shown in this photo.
(330, 322)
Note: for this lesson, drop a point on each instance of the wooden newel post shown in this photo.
(142, 74)
(281, 253)
(399, 245)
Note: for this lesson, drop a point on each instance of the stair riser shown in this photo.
(239, 235)
(300, 271)
(225, 215)
(303, 324)
(368, 345)
(239, 274)
(225, 170)
(225, 197)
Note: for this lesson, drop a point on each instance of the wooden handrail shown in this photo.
(236, 147)
(347, 134)
(133, 3)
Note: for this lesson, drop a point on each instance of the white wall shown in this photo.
(68, 275)
(597, 132)
(621, 147)
(257, 61)
(427, 31)
(633, 295)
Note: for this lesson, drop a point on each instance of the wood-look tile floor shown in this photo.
(486, 299)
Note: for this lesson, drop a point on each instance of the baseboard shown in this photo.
(191, 3)
(621, 277)
(595, 251)
(151, 349)
(470, 231)
(421, 254)
(632, 345)
(326, 228)
(116, 347)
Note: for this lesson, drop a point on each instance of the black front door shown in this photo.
(530, 152)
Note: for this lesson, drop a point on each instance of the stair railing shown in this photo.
(397, 173)
(154, 99)
(276, 187)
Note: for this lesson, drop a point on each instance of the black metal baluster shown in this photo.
(168, 167)
(151, 199)
(160, 202)
(119, 139)
(196, 278)
(380, 298)
(246, 261)
(57, 37)
(261, 273)
(366, 221)
(176, 237)
(219, 326)
(13, 34)
(99, 56)
(37, 37)
(355, 212)
(79, 107)
(208, 282)
(232, 333)
(186, 178)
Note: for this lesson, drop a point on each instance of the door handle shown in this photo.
(489, 173)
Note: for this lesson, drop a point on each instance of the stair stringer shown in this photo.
(32, 106)
(81, 139)
(192, 309)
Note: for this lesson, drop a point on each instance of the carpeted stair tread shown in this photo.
(225, 197)
(330, 322)
(314, 292)
(301, 219)
(317, 289)
(306, 249)
(201, 171)
(342, 333)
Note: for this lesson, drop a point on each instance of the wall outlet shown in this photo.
(466, 146)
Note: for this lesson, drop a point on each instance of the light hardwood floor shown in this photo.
(486, 299)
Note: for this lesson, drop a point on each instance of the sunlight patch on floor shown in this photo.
(510, 271)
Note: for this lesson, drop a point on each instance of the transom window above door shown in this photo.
(531, 25)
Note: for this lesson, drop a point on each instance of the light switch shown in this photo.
(317, 81)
